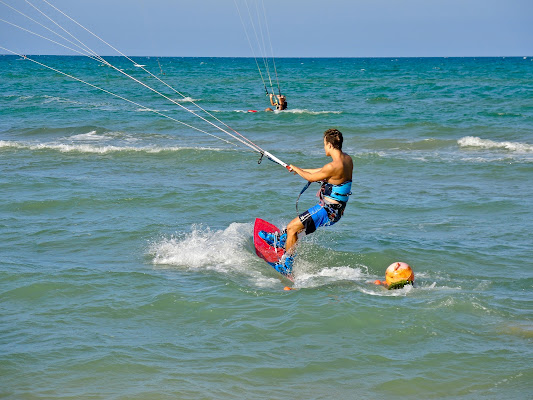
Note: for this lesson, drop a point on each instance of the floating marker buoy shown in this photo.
(398, 275)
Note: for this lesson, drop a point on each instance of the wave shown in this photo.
(409, 145)
(292, 111)
(328, 275)
(310, 112)
(443, 150)
(55, 99)
(97, 149)
(92, 135)
(473, 141)
(188, 100)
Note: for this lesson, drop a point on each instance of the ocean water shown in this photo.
(127, 268)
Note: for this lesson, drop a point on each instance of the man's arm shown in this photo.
(311, 170)
(314, 175)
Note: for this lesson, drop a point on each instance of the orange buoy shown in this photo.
(289, 288)
(399, 274)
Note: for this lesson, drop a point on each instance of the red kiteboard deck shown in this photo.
(268, 253)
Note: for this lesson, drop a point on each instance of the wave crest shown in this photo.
(474, 141)
(310, 112)
(94, 149)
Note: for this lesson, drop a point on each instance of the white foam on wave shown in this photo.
(310, 112)
(85, 104)
(188, 99)
(325, 275)
(89, 136)
(20, 97)
(9, 144)
(93, 136)
(55, 99)
(374, 290)
(96, 149)
(291, 111)
(473, 141)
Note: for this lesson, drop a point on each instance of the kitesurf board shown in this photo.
(270, 254)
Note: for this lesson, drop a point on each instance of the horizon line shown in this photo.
(251, 57)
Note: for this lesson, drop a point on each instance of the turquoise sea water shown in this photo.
(127, 268)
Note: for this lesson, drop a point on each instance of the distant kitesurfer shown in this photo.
(280, 103)
(336, 177)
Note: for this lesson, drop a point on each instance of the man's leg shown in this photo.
(294, 227)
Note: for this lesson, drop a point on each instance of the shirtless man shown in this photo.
(336, 178)
(281, 103)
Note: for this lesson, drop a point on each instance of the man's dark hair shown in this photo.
(334, 136)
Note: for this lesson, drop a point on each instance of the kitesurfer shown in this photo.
(336, 177)
(280, 103)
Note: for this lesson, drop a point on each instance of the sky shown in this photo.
(298, 28)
